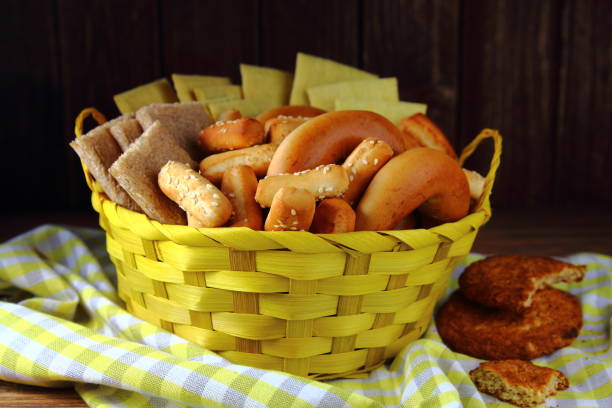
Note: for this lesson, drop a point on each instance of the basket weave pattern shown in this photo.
(317, 305)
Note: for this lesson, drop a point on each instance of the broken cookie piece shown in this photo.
(509, 282)
(519, 382)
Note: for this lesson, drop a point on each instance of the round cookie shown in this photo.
(552, 322)
(508, 282)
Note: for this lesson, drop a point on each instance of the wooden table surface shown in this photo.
(534, 232)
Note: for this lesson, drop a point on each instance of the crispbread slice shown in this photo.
(324, 96)
(266, 83)
(126, 131)
(183, 120)
(98, 150)
(159, 91)
(394, 111)
(137, 168)
(184, 84)
(311, 71)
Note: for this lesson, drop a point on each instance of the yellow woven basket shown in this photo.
(317, 305)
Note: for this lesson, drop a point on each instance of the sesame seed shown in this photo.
(354, 170)
(293, 212)
(214, 204)
(349, 164)
(365, 162)
(209, 186)
(295, 222)
(329, 189)
(215, 195)
(351, 177)
(372, 141)
(376, 162)
(231, 195)
(321, 189)
(293, 228)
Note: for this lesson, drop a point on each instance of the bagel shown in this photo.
(362, 164)
(420, 178)
(297, 110)
(330, 137)
(333, 215)
(421, 130)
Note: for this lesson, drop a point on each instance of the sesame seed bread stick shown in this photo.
(324, 181)
(204, 202)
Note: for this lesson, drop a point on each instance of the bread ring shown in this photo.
(230, 114)
(292, 210)
(333, 215)
(239, 185)
(257, 157)
(420, 178)
(322, 182)
(330, 137)
(419, 129)
(194, 194)
(231, 135)
(362, 164)
(406, 223)
(476, 183)
(296, 110)
(279, 127)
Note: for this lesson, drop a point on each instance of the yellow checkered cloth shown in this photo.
(61, 323)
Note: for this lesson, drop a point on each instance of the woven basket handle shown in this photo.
(78, 132)
(484, 203)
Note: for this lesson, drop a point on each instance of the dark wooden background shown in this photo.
(539, 71)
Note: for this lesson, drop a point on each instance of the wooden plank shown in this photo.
(509, 82)
(17, 395)
(328, 29)
(583, 167)
(417, 42)
(31, 108)
(209, 37)
(106, 48)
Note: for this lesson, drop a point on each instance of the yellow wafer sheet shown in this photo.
(324, 96)
(115, 359)
(312, 71)
(394, 111)
(266, 83)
